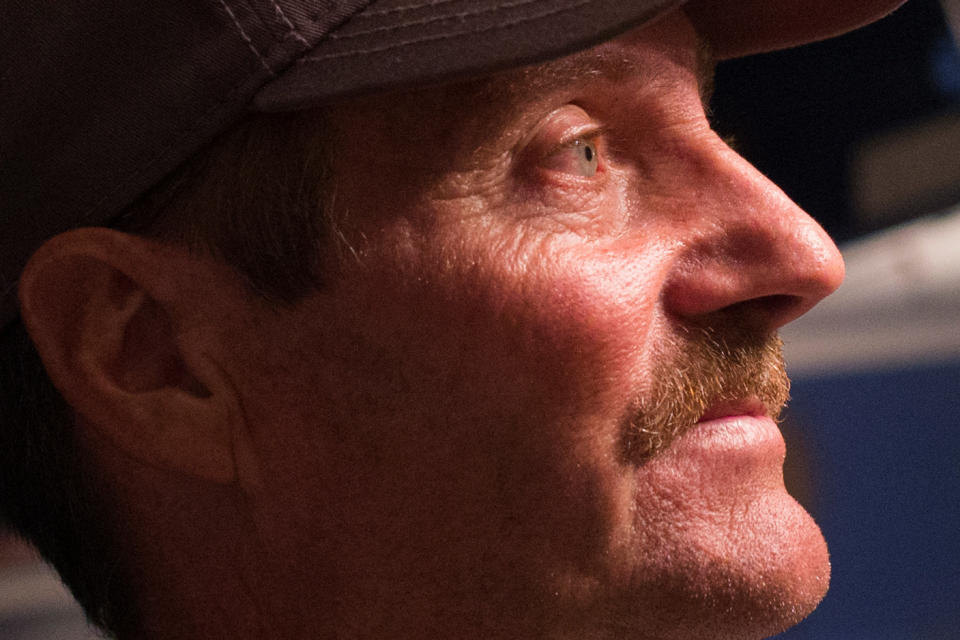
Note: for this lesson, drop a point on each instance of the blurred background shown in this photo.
(864, 132)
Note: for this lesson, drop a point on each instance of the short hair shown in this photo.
(256, 199)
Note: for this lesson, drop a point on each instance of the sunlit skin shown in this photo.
(442, 427)
(438, 438)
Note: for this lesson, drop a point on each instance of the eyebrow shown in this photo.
(706, 70)
(606, 62)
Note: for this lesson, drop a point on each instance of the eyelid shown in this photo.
(590, 134)
(557, 130)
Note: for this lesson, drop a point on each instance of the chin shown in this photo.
(793, 578)
(750, 581)
(766, 574)
(729, 561)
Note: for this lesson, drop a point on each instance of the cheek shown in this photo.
(549, 319)
(487, 383)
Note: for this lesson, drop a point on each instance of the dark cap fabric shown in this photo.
(100, 99)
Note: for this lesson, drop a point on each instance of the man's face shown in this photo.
(536, 397)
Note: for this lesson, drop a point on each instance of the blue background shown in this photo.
(883, 451)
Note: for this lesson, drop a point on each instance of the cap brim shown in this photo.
(744, 27)
(394, 44)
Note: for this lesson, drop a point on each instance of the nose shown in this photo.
(748, 247)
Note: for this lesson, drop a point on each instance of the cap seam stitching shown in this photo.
(346, 54)
(425, 21)
(345, 20)
(293, 29)
(410, 7)
(246, 38)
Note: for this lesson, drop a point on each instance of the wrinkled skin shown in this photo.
(441, 430)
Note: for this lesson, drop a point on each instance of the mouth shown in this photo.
(722, 414)
(747, 407)
(715, 379)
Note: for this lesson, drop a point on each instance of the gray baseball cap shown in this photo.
(100, 99)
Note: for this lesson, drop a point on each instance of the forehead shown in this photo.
(645, 56)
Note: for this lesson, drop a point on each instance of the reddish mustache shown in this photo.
(708, 368)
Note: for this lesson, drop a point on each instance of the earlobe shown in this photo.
(122, 357)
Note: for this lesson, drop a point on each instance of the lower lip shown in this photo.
(737, 440)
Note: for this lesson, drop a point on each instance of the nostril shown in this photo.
(775, 305)
(760, 314)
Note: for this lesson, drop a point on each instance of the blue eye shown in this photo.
(571, 148)
(585, 152)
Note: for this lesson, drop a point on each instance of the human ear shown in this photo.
(122, 348)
